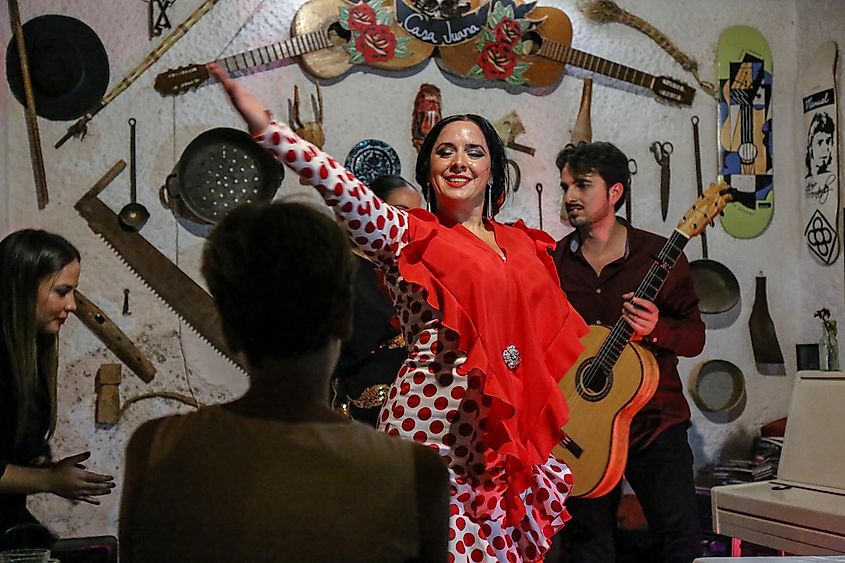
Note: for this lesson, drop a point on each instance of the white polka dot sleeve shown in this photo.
(375, 227)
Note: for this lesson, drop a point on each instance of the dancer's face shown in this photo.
(460, 166)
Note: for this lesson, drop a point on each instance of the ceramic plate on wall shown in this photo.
(372, 158)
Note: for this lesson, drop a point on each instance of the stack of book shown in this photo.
(763, 465)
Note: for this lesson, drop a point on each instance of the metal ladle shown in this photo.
(134, 215)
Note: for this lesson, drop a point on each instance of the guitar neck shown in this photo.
(568, 55)
(621, 333)
(299, 45)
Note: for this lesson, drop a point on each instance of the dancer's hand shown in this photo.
(253, 111)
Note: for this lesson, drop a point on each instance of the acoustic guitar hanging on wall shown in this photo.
(534, 51)
(329, 36)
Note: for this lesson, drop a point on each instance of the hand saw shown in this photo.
(115, 340)
(182, 294)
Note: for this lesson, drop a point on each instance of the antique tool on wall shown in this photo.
(79, 128)
(133, 216)
(311, 131)
(632, 170)
(200, 187)
(107, 389)
(614, 378)
(40, 176)
(764, 339)
(115, 340)
(604, 11)
(539, 188)
(662, 153)
(583, 128)
(158, 22)
(545, 50)
(326, 48)
(715, 285)
(509, 128)
(182, 294)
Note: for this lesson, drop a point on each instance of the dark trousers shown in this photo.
(661, 476)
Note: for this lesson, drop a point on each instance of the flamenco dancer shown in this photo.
(488, 328)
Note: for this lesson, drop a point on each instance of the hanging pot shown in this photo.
(219, 170)
(717, 386)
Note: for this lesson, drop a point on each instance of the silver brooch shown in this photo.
(511, 356)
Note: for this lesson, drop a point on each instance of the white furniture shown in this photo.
(802, 511)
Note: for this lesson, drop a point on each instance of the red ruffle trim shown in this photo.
(526, 408)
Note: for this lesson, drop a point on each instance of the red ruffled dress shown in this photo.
(488, 340)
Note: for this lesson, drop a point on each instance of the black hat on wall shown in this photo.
(68, 67)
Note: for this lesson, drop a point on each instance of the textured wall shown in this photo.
(377, 105)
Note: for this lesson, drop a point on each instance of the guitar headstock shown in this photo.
(705, 209)
(180, 80)
(673, 90)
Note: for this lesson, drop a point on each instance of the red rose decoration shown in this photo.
(361, 16)
(376, 43)
(508, 31)
(497, 61)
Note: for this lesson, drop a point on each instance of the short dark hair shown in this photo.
(385, 185)
(498, 162)
(281, 274)
(601, 158)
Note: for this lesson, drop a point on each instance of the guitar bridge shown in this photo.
(572, 446)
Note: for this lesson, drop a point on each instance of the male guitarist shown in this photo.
(600, 265)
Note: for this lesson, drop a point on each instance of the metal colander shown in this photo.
(219, 170)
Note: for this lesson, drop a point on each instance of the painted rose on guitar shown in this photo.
(373, 40)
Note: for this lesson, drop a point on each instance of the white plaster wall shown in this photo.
(364, 105)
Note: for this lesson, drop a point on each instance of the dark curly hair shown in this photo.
(601, 158)
(281, 274)
(498, 162)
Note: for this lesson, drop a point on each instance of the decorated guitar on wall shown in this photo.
(534, 51)
(329, 36)
(614, 378)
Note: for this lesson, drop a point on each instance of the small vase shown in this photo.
(829, 351)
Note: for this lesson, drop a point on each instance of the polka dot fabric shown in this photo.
(433, 400)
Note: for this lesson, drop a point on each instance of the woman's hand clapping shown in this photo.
(68, 478)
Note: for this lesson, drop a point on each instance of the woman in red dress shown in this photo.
(489, 330)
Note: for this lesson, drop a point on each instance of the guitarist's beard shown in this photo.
(583, 220)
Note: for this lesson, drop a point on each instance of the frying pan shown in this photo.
(715, 285)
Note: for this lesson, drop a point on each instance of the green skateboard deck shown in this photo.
(820, 157)
(745, 129)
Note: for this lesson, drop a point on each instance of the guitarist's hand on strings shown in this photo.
(641, 314)
(254, 113)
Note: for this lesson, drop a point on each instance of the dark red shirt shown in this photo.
(679, 330)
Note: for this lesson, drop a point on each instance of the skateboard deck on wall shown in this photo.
(745, 129)
(819, 157)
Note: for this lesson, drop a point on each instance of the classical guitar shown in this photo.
(547, 51)
(614, 377)
(326, 43)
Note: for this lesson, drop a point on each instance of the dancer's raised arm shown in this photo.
(376, 228)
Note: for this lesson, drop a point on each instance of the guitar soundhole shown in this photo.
(339, 36)
(592, 382)
(533, 42)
